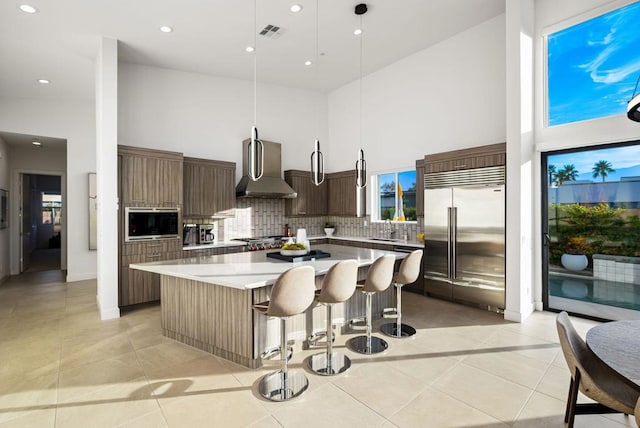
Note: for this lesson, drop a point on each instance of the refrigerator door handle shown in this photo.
(454, 242)
(449, 264)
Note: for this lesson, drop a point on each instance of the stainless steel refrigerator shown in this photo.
(464, 221)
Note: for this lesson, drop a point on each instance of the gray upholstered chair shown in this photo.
(292, 294)
(378, 279)
(407, 273)
(592, 377)
(338, 286)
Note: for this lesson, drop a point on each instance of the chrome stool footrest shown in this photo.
(390, 313)
(271, 352)
(315, 339)
(358, 324)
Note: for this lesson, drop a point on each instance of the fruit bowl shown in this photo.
(294, 252)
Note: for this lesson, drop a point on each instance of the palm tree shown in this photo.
(602, 168)
(567, 173)
(551, 169)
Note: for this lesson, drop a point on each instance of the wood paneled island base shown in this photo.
(206, 302)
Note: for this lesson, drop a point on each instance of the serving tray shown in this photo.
(311, 255)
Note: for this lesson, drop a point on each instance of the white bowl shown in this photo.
(329, 230)
(293, 252)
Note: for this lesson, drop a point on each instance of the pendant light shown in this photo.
(633, 108)
(255, 147)
(361, 163)
(317, 158)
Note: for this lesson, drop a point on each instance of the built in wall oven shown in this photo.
(151, 223)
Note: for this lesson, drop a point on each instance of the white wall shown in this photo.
(4, 233)
(208, 117)
(75, 122)
(446, 97)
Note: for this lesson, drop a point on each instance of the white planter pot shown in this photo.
(329, 231)
(574, 261)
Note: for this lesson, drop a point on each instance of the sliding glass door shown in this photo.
(591, 231)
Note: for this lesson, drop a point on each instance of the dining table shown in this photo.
(617, 344)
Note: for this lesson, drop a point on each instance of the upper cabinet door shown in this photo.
(342, 193)
(476, 157)
(311, 200)
(209, 187)
(150, 177)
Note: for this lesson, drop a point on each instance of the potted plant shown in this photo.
(329, 228)
(575, 257)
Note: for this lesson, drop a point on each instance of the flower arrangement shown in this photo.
(576, 245)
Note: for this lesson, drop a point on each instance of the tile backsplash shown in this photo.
(264, 217)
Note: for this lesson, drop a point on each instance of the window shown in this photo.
(51, 208)
(592, 67)
(395, 197)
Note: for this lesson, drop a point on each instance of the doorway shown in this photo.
(591, 231)
(41, 222)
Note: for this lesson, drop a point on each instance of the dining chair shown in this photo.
(637, 412)
(592, 377)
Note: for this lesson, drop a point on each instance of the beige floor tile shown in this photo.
(488, 393)
(22, 396)
(154, 419)
(79, 381)
(555, 382)
(444, 342)
(527, 346)
(380, 386)
(510, 366)
(541, 411)
(435, 409)
(326, 406)
(36, 419)
(167, 354)
(268, 422)
(108, 407)
(387, 424)
(78, 351)
(237, 408)
(425, 369)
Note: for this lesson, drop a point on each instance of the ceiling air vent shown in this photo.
(272, 31)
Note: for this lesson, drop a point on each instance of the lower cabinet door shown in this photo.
(137, 286)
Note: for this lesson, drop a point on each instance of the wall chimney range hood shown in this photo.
(271, 185)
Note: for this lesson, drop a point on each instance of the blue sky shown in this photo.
(407, 179)
(593, 66)
(619, 157)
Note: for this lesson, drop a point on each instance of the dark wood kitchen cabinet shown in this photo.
(476, 157)
(342, 193)
(137, 286)
(311, 200)
(209, 187)
(150, 177)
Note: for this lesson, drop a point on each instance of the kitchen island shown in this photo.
(206, 302)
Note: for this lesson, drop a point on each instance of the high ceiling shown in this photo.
(24, 140)
(60, 41)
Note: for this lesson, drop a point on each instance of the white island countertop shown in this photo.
(254, 269)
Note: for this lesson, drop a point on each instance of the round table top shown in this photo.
(617, 344)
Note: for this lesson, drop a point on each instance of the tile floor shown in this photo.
(61, 366)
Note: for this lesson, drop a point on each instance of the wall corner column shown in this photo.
(107, 175)
(520, 30)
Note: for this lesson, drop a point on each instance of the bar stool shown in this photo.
(292, 294)
(408, 273)
(378, 279)
(338, 286)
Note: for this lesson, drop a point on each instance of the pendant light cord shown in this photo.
(255, 63)
(361, 48)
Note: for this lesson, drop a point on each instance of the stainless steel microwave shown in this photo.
(151, 223)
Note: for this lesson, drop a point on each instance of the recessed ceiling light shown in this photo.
(357, 31)
(36, 143)
(43, 81)
(166, 29)
(27, 8)
(295, 8)
(307, 62)
(249, 49)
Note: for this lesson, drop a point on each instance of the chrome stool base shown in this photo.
(336, 364)
(281, 386)
(359, 344)
(391, 329)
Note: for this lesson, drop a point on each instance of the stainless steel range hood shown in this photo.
(271, 185)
